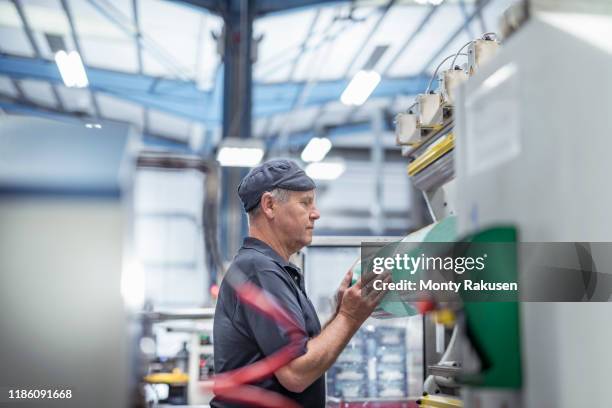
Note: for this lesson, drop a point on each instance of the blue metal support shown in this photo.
(260, 7)
(237, 114)
(184, 99)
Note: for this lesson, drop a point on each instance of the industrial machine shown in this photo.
(531, 155)
(517, 157)
(70, 283)
(76, 329)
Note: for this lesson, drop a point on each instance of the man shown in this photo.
(279, 199)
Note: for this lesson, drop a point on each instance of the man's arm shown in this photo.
(323, 350)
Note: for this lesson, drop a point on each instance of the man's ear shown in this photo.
(267, 205)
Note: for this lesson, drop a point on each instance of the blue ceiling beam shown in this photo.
(262, 7)
(184, 99)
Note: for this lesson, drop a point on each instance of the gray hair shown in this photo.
(279, 194)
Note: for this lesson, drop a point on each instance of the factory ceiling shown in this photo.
(155, 63)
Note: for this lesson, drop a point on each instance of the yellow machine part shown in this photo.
(446, 144)
(437, 401)
(175, 377)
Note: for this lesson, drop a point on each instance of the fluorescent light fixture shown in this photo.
(71, 69)
(360, 88)
(325, 170)
(93, 126)
(316, 149)
(234, 152)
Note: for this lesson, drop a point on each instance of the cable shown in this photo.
(461, 49)
(438, 67)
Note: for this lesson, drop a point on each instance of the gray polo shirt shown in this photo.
(243, 336)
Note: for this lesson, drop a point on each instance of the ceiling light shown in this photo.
(325, 170)
(71, 69)
(234, 152)
(360, 88)
(316, 149)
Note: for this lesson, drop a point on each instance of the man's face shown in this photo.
(295, 219)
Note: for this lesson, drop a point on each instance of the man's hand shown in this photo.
(344, 285)
(360, 300)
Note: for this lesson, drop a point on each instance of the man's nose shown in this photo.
(315, 214)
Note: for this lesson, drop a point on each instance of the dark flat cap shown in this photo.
(278, 173)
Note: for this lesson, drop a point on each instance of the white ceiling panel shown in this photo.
(90, 22)
(441, 25)
(120, 110)
(118, 55)
(285, 32)
(14, 41)
(7, 87)
(75, 99)
(39, 92)
(317, 43)
(104, 43)
(347, 44)
(164, 124)
(398, 27)
(175, 36)
(8, 14)
(399, 24)
(46, 16)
